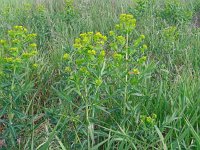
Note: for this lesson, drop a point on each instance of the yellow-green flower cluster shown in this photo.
(28, 54)
(66, 56)
(99, 38)
(27, 6)
(31, 36)
(117, 56)
(170, 33)
(144, 47)
(84, 40)
(121, 40)
(90, 44)
(90, 40)
(98, 82)
(142, 59)
(33, 45)
(148, 120)
(19, 47)
(122, 53)
(16, 41)
(102, 53)
(17, 32)
(89, 53)
(118, 41)
(20, 28)
(136, 71)
(40, 8)
(2, 42)
(111, 33)
(84, 70)
(12, 60)
(127, 23)
(68, 69)
(69, 3)
(35, 65)
(14, 49)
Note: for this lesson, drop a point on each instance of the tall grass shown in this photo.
(50, 113)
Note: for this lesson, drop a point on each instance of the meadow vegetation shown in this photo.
(100, 74)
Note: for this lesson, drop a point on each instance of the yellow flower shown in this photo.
(104, 38)
(84, 70)
(92, 52)
(144, 47)
(154, 116)
(135, 71)
(26, 55)
(41, 8)
(112, 33)
(25, 30)
(102, 53)
(68, 69)
(66, 56)
(77, 40)
(14, 49)
(117, 26)
(121, 40)
(11, 33)
(33, 45)
(90, 33)
(83, 35)
(35, 65)
(34, 52)
(18, 27)
(8, 59)
(142, 36)
(129, 16)
(78, 46)
(98, 82)
(17, 60)
(15, 41)
(98, 34)
(32, 35)
(127, 22)
(117, 56)
(149, 119)
(2, 42)
(142, 59)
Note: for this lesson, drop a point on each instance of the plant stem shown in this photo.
(126, 77)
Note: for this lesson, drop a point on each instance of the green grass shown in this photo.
(47, 109)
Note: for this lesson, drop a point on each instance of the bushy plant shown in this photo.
(17, 52)
(140, 8)
(70, 11)
(174, 12)
(99, 90)
(105, 71)
(170, 36)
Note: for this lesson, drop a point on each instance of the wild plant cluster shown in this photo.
(99, 74)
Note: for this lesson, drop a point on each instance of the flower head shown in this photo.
(135, 71)
(66, 56)
(35, 65)
(33, 45)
